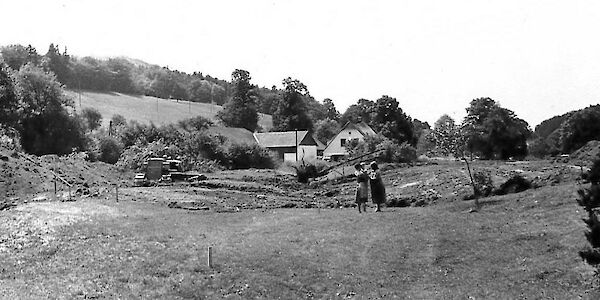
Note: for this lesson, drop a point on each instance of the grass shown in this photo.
(146, 109)
(519, 246)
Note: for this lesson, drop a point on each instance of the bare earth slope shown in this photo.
(518, 246)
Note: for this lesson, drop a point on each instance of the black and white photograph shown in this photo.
(299, 149)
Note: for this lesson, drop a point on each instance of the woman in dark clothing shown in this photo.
(362, 188)
(377, 187)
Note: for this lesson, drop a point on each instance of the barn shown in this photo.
(289, 146)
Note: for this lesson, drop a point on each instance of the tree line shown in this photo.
(33, 102)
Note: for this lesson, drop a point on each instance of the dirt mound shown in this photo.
(24, 177)
(588, 153)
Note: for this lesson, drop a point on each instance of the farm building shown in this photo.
(336, 147)
(289, 145)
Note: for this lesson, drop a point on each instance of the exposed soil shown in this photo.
(26, 178)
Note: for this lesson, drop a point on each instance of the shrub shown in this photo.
(589, 199)
(515, 184)
(55, 132)
(92, 118)
(195, 124)
(483, 183)
(9, 138)
(307, 170)
(395, 153)
(244, 156)
(110, 149)
(541, 148)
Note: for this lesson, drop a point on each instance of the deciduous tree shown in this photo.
(445, 134)
(326, 129)
(492, 131)
(331, 112)
(390, 121)
(92, 118)
(362, 111)
(291, 112)
(241, 109)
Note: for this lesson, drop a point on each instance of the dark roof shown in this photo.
(320, 145)
(284, 139)
(234, 134)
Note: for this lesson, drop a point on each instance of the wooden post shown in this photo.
(476, 191)
(69, 192)
(55, 196)
(117, 191)
(209, 257)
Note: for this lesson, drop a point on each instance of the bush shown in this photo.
(542, 148)
(589, 199)
(92, 118)
(118, 120)
(52, 133)
(110, 150)
(244, 156)
(9, 138)
(197, 123)
(307, 170)
(395, 153)
(515, 184)
(483, 183)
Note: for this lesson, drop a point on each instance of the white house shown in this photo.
(289, 145)
(351, 131)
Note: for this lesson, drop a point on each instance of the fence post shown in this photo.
(209, 257)
(117, 191)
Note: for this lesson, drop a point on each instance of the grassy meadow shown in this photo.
(518, 246)
(146, 109)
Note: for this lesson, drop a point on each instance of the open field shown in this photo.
(518, 246)
(146, 109)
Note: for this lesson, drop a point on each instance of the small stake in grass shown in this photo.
(117, 192)
(209, 257)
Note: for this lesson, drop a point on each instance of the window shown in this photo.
(343, 142)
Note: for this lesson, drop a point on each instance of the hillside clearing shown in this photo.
(146, 109)
(518, 246)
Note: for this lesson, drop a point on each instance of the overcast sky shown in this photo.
(537, 58)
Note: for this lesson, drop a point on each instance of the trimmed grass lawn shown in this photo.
(518, 246)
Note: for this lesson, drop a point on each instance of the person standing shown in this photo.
(377, 187)
(362, 187)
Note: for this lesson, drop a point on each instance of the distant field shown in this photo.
(148, 109)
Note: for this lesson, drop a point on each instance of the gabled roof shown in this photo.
(284, 139)
(320, 145)
(234, 134)
(362, 127)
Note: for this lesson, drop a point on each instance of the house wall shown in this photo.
(308, 153)
(281, 151)
(335, 146)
